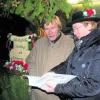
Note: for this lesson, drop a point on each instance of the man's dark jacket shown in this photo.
(84, 62)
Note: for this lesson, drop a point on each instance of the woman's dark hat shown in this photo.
(86, 15)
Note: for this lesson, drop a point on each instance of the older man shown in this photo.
(48, 52)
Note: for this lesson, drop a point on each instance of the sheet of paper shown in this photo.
(49, 77)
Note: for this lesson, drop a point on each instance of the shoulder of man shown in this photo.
(42, 40)
(69, 37)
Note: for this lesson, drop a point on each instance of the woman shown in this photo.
(84, 62)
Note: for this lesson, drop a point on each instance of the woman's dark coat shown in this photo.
(84, 62)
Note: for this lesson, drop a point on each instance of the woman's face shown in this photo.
(51, 30)
(80, 30)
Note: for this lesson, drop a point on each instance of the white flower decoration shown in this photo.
(85, 13)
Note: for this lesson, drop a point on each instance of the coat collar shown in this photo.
(58, 37)
(92, 38)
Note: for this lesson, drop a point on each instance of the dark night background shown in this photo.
(11, 24)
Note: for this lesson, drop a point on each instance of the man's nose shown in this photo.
(50, 31)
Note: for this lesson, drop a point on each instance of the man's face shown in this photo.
(51, 30)
(80, 30)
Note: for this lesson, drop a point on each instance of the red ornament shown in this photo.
(90, 12)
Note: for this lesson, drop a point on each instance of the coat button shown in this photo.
(83, 65)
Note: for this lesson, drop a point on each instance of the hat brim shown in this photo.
(80, 20)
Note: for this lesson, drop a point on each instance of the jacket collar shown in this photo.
(58, 37)
(92, 38)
